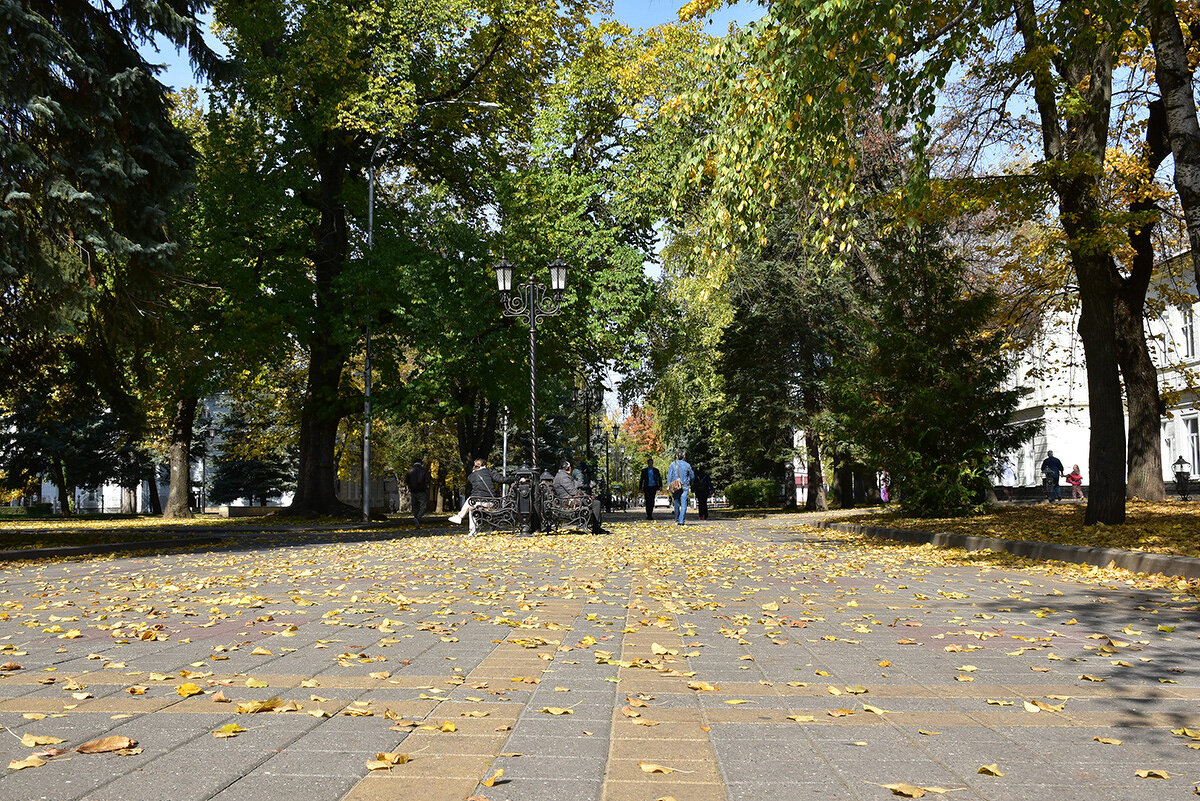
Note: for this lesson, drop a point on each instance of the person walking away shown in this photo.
(1075, 479)
(649, 484)
(568, 492)
(679, 481)
(885, 486)
(417, 481)
(703, 487)
(481, 494)
(1052, 469)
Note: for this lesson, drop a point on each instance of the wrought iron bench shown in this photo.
(569, 513)
(497, 514)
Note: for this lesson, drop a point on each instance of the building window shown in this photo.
(1188, 329)
(1192, 426)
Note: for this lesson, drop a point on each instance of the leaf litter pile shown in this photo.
(758, 622)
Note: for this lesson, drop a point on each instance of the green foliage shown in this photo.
(929, 398)
(33, 510)
(753, 493)
(252, 458)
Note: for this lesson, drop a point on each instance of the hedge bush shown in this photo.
(35, 510)
(753, 493)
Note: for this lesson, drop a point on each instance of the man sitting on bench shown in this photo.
(568, 495)
(481, 494)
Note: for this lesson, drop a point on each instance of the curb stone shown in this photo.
(1136, 561)
(105, 547)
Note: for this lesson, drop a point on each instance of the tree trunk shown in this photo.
(1142, 398)
(128, 501)
(59, 476)
(152, 484)
(474, 424)
(179, 495)
(316, 479)
(322, 409)
(1075, 148)
(1174, 77)
(844, 475)
(815, 500)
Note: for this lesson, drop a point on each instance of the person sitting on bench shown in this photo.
(570, 496)
(481, 494)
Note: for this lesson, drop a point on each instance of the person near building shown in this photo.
(1075, 479)
(650, 483)
(568, 493)
(679, 482)
(1008, 479)
(1052, 470)
(481, 494)
(703, 488)
(417, 481)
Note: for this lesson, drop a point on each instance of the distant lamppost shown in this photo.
(1182, 475)
(533, 303)
(504, 452)
(592, 397)
(607, 469)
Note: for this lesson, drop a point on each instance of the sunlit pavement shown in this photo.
(741, 659)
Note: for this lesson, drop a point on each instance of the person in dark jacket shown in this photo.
(1052, 470)
(650, 485)
(481, 493)
(568, 493)
(417, 481)
(703, 489)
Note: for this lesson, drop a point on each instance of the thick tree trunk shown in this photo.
(1142, 398)
(1106, 451)
(179, 495)
(1075, 148)
(59, 476)
(815, 500)
(844, 475)
(152, 489)
(316, 480)
(1174, 77)
(128, 501)
(322, 409)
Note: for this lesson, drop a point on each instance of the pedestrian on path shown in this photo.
(417, 481)
(481, 494)
(1075, 479)
(1008, 479)
(703, 487)
(885, 486)
(649, 484)
(1052, 470)
(679, 481)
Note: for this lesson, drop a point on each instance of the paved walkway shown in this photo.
(751, 659)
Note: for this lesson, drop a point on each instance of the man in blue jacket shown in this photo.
(681, 472)
(650, 483)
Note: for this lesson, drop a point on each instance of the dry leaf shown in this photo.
(256, 684)
(107, 744)
(905, 790)
(802, 718)
(260, 651)
(491, 780)
(188, 689)
(557, 710)
(1107, 740)
(228, 730)
(650, 767)
(990, 770)
(33, 740)
(448, 727)
(28, 762)
(1152, 774)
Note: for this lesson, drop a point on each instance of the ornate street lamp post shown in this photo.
(1183, 474)
(533, 303)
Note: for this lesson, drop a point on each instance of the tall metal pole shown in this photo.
(366, 468)
(533, 417)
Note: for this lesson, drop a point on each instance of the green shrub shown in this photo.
(753, 493)
(35, 510)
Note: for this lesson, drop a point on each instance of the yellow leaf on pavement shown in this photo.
(491, 780)
(990, 770)
(28, 762)
(188, 689)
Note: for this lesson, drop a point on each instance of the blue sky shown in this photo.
(636, 13)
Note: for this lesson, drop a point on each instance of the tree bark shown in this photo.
(815, 500)
(1174, 78)
(322, 408)
(59, 476)
(1075, 148)
(179, 495)
(152, 487)
(1144, 404)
